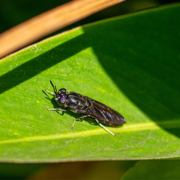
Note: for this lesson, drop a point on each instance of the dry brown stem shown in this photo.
(48, 22)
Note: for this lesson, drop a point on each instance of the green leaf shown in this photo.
(160, 169)
(129, 63)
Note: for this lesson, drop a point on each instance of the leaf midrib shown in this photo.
(98, 131)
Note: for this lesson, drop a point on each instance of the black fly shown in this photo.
(87, 107)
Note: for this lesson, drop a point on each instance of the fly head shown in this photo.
(60, 96)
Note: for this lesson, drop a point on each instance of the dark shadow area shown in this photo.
(73, 115)
(37, 65)
(139, 65)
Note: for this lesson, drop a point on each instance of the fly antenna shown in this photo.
(54, 87)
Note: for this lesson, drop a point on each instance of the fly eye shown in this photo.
(63, 90)
(63, 99)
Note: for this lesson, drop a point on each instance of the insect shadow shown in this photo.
(55, 105)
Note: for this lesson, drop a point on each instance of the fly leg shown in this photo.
(57, 109)
(105, 128)
(49, 92)
(78, 118)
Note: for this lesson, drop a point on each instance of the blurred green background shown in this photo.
(14, 12)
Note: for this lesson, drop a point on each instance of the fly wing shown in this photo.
(105, 114)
